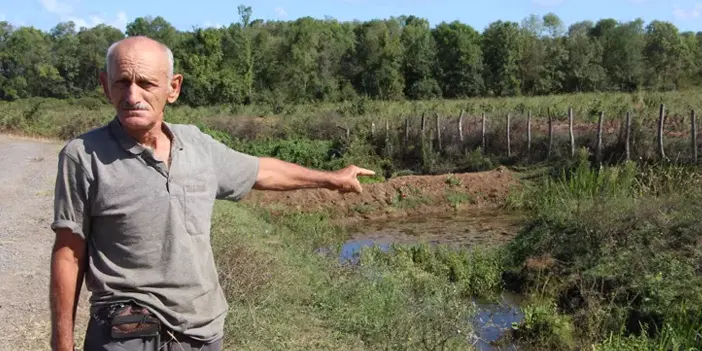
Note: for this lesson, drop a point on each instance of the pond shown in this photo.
(478, 228)
(483, 227)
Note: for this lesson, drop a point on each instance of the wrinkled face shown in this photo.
(138, 85)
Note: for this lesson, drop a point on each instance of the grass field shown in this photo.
(313, 135)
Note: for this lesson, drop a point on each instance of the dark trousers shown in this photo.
(97, 338)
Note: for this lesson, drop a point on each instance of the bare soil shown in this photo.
(398, 197)
(27, 171)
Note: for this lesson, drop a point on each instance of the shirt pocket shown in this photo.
(199, 200)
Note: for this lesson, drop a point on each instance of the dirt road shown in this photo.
(27, 173)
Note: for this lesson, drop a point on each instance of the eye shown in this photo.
(146, 83)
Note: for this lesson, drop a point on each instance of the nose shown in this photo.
(132, 94)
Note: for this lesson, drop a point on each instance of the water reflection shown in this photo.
(493, 318)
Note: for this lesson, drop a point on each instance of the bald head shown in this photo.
(140, 44)
(139, 81)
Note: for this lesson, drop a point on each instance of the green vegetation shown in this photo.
(618, 250)
(283, 294)
(310, 61)
(311, 134)
(608, 260)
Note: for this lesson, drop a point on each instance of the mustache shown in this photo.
(139, 106)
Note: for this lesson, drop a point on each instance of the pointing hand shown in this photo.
(346, 180)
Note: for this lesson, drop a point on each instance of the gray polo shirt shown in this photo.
(147, 226)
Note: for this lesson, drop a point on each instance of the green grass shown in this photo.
(619, 249)
(283, 294)
(609, 260)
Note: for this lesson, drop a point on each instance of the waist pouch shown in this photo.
(132, 321)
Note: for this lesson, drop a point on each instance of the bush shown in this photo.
(621, 246)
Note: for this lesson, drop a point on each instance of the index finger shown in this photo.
(364, 172)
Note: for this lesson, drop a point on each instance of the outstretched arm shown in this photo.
(274, 174)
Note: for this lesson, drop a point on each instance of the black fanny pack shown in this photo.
(131, 321)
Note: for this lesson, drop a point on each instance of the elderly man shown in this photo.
(133, 204)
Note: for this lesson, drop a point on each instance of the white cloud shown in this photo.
(280, 12)
(122, 20)
(209, 24)
(695, 12)
(57, 7)
(65, 11)
(547, 3)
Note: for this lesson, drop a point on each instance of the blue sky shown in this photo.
(44, 14)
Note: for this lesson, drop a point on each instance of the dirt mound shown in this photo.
(399, 196)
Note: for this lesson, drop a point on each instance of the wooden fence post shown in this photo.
(627, 145)
(509, 149)
(406, 131)
(483, 136)
(693, 136)
(438, 131)
(550, 134)
(347, 131)
(388, 146)
(460, 127)
(424, 124)
(570, 128)
(529, 135)
(599, 137)
(661, 118)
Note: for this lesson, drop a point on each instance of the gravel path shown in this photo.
(27, 174)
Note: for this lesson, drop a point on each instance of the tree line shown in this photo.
(324, 60)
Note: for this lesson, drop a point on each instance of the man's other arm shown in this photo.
(71, 226)
(67, 269)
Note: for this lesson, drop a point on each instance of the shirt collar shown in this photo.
(131, 145)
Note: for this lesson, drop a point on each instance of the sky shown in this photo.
(185, 15)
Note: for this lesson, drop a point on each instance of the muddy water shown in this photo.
(478, 228)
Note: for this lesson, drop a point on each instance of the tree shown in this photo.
(312, 60)
(155, 28)
(28, 65)
(419, 63)
(501, 53)
(460, 60)
(622, 56)
(582, 70)
(664, 55)
(377, 68)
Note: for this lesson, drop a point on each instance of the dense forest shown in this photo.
(324, 60)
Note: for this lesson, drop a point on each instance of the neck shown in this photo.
(151, 138)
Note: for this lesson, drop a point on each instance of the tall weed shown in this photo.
(621, 246)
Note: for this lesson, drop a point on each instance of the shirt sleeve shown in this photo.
(71, 197)
(236, 172)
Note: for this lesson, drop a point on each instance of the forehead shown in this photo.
(140, 61)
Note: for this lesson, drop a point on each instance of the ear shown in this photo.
(174, 88)
(105, 85)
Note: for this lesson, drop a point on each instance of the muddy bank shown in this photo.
(399, 197)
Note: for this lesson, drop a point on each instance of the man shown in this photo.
(133, 204)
